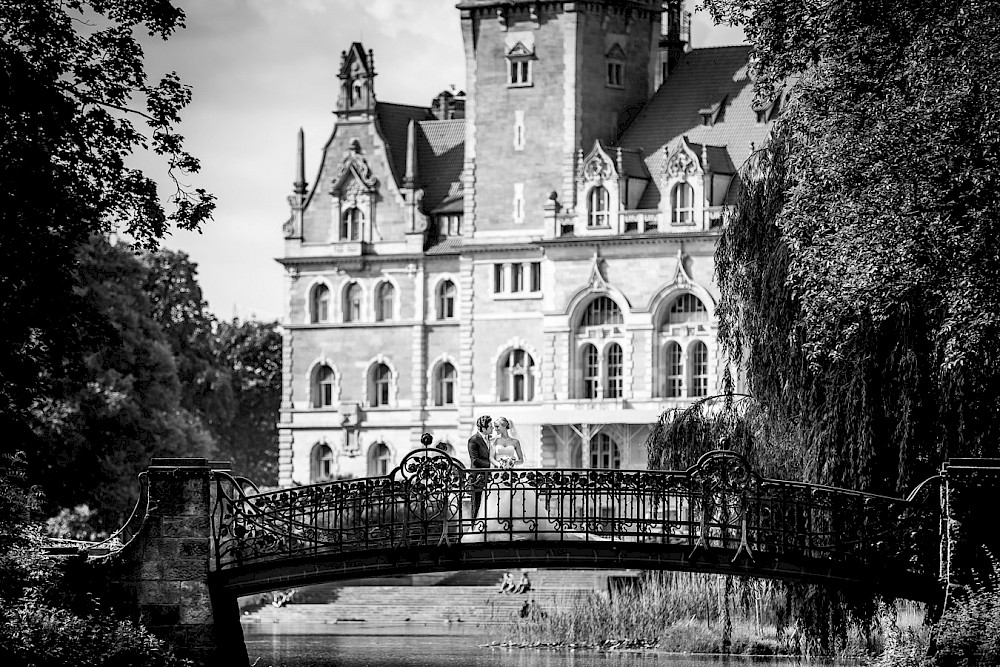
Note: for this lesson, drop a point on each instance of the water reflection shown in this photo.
(450, 651)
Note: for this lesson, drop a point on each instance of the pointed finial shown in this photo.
(411, 154)
(300, 166)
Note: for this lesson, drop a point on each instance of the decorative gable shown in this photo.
(682, 160)
(354, 176)
(599, 165)
(519, 50)
(616, 52)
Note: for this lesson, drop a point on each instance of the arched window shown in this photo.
(598, 207)
(591, 371)
(323, 384)
(445, 382)
(602, 311)
(379, 460)
(385, 298)
(699, 369)
(675, 370)
(350, 225)
(517, 377)
(324, 463)
(604, 453)
(446, 300)
(616, 371)
(380, 385)
(320, 303)
(687, 308)
(352, 303)
(682, 204)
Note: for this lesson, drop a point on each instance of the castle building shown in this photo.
(539, 246)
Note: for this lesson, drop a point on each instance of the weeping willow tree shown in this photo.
(860, 271)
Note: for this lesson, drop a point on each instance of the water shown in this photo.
(458, 651)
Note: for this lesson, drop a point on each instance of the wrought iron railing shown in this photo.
(719, 503)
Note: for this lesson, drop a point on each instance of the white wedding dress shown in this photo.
(511, 508)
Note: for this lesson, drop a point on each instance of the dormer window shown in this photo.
(616, 67)
(715, 113)
(350, 225)
(449, 224)
(598, 207)
(682, 204)
(519, 59)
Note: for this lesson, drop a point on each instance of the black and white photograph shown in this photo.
(515, 333)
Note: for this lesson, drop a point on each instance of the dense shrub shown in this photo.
(36, 635)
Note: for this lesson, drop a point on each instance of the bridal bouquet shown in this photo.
(506, 462)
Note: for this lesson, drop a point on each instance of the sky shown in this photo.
(260, 70)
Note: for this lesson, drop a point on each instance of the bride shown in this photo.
(511, 508)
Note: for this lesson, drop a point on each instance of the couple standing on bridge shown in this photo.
(502, 509)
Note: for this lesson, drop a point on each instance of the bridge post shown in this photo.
(164, 572)
(969, 535)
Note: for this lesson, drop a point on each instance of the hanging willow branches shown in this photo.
(859, 273)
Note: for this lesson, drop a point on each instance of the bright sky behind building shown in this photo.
(260, 69)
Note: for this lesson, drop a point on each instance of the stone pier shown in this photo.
(970, 540)
(161, 577)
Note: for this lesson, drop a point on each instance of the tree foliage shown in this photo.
(75, 103)
(859, 272)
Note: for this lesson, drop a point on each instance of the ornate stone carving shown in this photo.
(681, 164)
(598, 169)
(354, 162)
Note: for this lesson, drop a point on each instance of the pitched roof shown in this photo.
(440, 160)
(701, 80)
(392, 121)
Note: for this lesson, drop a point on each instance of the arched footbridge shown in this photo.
(202, 536)
(717, 516)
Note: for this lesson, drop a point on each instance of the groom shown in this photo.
(479, 456)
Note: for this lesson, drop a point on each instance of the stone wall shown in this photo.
(161, 577)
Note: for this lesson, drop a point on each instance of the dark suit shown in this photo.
(479, 456)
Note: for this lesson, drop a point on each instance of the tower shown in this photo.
(545, 79)
(357, 83)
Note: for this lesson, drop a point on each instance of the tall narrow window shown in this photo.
(519, 130)
(446, 377)
(675, 370)
(518, 208)
(699, 369)
(350, 225)
(446, 300)
(381, 381)
(385, 299)
(616, 66)
(604, 454)
(682, 204)
(320, 303)
(499, 283)
(379, 460)
(591, 371)
(323, 387)
(517, 377)
(516, 277)
(352, 303)
(616, 372)
(536, 276)
(598, 207)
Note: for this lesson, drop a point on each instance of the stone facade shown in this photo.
(540, 246)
